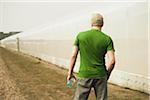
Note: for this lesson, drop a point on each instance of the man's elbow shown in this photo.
(73, 57)
(113, 61)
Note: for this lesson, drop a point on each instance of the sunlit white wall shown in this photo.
(126, 23)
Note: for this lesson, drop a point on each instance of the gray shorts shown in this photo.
(84, 86)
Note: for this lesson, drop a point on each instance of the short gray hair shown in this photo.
(97, 19)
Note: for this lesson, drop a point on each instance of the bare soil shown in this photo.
(24, 77)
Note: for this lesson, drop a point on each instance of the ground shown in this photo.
(24, 77)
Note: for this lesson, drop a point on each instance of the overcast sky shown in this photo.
(22, 16)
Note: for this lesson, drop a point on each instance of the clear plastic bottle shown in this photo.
(71, 82)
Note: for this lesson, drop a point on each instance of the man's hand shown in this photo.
(70, 76)
(108, 75)
(72, 62)
(111, 62)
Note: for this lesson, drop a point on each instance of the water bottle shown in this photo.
(71, 82)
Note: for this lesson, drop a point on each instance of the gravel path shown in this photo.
(23, 77)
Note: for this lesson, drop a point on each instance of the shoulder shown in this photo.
(86, 31)
(82, 33)
(107, 36)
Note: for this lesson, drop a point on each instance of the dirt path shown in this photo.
(23, 77)
(8, 88)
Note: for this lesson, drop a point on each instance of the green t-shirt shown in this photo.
(93, 45)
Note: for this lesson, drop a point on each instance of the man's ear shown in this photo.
(102, 24)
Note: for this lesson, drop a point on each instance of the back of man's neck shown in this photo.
(97, 28)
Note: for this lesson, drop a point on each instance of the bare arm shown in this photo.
(72, 61)
(111, 62)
